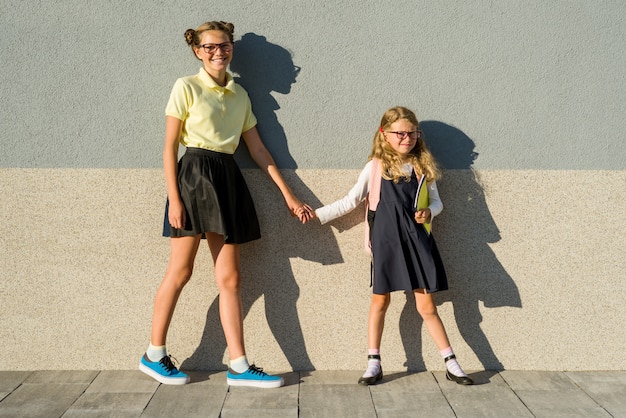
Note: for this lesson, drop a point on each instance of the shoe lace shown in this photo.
(256, 370)
(167, 364)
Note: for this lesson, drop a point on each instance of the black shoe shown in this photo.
(461, 380)
(366, 381)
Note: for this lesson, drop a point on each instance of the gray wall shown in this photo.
(523, 103)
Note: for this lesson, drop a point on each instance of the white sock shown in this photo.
(373, 368)
(452, 365)
(373, 364)
(240, 364)
(156, 353)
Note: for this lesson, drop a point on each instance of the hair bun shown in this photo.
(229, 26)
(190, 34)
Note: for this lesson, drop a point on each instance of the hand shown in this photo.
(422, 216)
(176, 214)
(306, 213)
(299, 209)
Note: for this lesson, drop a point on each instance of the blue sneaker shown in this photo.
(254, 376)
(163, 371)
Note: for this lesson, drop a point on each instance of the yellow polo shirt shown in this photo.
(213, 116)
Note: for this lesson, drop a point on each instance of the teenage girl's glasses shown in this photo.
(212, 48)
(403, 134)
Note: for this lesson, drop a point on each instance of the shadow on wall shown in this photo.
(463, 231)
(264, 67)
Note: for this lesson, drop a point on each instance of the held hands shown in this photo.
(422, 216)
(301, 210)
(305, 213)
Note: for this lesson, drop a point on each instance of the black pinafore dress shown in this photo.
(404, 256)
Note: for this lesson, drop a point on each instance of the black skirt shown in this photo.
(216, 198)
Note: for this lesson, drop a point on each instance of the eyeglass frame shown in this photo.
(224, 47)
(403, 134)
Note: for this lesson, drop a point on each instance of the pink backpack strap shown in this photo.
(373, 197)
(376, 174)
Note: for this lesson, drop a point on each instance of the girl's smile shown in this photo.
(216, 52)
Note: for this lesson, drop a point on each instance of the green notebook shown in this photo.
(421, 199)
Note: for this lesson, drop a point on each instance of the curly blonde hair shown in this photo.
(420, 157)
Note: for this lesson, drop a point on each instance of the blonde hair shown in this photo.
(192, 37)
(420, 157)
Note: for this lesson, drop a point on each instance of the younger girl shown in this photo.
(399, 183)
(208, 198)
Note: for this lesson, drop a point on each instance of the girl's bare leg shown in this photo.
(425, 304)
(226, 259)
(426, 307)
(376, 319)
(180, 267)
(375, 326)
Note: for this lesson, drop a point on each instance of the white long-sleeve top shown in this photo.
(360, 190)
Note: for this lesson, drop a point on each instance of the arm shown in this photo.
(176, 211)
(355, 196)
(434, 202)
(264, 160)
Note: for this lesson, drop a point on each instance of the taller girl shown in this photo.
(399, 183)
(208, 198)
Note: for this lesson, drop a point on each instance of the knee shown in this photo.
(427, 310)
(380, 303)
(229, 282)
(179, 276)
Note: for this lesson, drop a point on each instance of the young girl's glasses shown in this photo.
(404, 134)
(212, 48)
